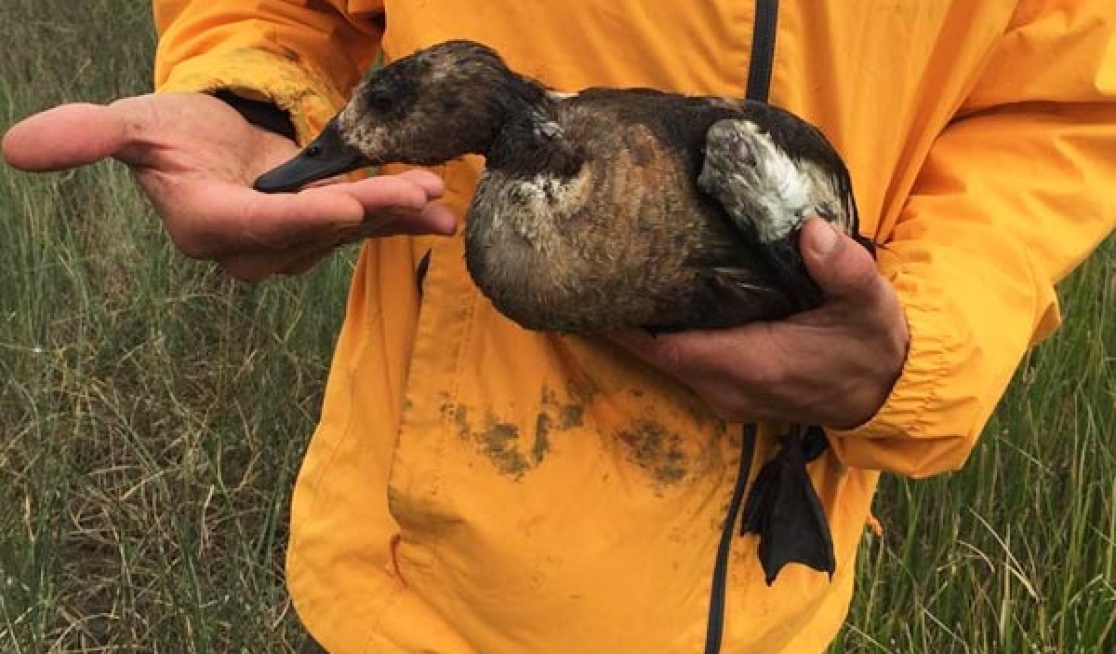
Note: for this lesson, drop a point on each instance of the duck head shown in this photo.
(435, 105)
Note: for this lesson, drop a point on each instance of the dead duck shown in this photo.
(615, 208)
(604, 209)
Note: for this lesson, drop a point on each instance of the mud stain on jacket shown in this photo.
(656, 451)
(499, 438)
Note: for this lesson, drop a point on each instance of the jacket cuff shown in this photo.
(301, 92)
(910, 433)
(260, 113)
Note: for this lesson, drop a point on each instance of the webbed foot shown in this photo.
(785, 511)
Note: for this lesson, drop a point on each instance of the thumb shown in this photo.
(66, 136)
(840, 266)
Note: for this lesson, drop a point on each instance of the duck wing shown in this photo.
(771, 170)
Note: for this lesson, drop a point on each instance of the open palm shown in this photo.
(196, 158)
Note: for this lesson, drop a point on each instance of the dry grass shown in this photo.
(153, 413)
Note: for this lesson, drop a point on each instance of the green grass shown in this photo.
(1016, 552)
(152, 415)
(152, 412)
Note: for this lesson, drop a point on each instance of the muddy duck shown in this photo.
(615, 208)
(604, 209)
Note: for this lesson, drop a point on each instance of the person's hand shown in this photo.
(196, 158)
(833, 366)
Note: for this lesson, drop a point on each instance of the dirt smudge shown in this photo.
(516, 449)
(542, 437)
(655, 450)
(500, 442)
(571, 416)
(556, 416)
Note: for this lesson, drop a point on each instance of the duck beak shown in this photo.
(324, 157)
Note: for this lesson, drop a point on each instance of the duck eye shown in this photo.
(379, 100)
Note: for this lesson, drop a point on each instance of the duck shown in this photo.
(616, 208)
(607, 208)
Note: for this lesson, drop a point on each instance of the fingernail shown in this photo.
(825, 239)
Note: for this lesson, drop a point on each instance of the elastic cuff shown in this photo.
(303, 93)
(903, 410)
(927, 424)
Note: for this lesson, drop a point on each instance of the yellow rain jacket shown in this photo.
(474, 488)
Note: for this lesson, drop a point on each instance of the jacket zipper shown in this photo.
(763, 50)
(716, 624)
(758, 88)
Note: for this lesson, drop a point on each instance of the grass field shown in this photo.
(152, 415)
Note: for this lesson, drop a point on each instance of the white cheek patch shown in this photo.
(366, 138)
(375, 139)
(355, 133)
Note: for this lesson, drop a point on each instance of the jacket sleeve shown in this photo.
(1014, 194)
(301, 56)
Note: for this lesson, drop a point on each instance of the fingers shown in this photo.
(129, 129)
(434, 185)
(722, 367)
(381, 194)
(310, 243)
(435, 218)
(194, 163)
(834, 365)
(395, 204)
(213, 220)
(839, 265)
(380, 206)
(700, 354)
(64, 137)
